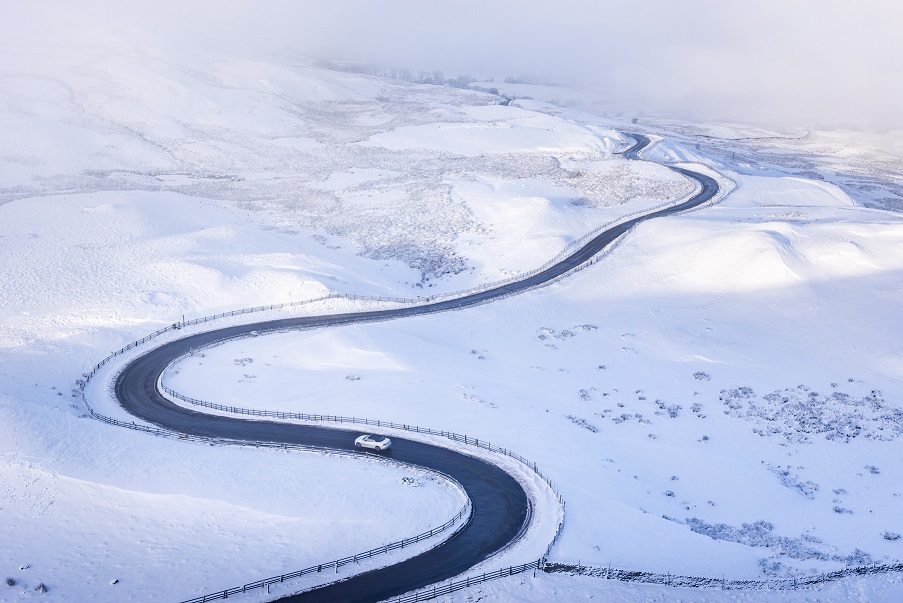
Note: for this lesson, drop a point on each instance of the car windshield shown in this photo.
(374, 438)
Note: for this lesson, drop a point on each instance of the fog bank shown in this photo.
(803, 63)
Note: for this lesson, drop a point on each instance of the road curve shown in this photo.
(501, 508)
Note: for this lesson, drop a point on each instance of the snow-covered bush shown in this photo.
(583, 423)
(798, 414)
(628, 417)
(771, 568)
(547, 333)
(842, 510)
(794, 482)
(760, 534)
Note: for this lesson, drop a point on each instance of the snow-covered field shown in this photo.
(720, 396)
(700, 373)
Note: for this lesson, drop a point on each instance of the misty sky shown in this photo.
(786, 63)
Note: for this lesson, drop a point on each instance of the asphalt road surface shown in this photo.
(501, 508)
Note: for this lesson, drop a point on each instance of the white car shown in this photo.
(373, 442)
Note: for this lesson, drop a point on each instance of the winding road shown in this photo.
(501, 507)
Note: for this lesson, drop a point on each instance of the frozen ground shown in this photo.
(720, 396)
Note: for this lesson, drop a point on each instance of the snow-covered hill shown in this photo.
(721, 395)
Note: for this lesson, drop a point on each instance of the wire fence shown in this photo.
(204, 319)
(668, 579)
(438, 590)
(335, 564)
(277, 414)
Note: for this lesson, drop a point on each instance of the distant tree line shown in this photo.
(436, 77)
(401, 73)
